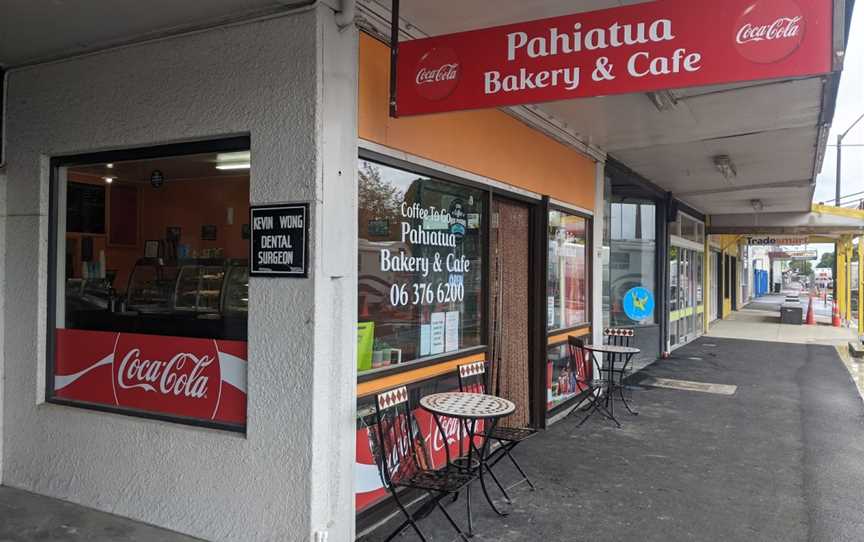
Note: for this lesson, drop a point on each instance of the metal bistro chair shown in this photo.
(472, 379)
(586, 367)
(621, 337)
(403, 462)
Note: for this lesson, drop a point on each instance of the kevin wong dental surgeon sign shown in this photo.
(278, 240)
(652, 46)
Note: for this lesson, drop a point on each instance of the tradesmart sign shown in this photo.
(775, 240)
(639, 48)
(279, 236)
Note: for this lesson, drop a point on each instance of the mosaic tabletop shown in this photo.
(467, 405)
(612, 349)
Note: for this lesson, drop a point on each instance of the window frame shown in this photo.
(228, 144)
(487, 193)
(589, 268)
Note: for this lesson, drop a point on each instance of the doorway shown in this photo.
(716, 286)
(686, 301)
(509, 241)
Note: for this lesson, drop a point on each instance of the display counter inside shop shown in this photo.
(202, 297)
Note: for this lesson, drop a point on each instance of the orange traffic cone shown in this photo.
(811, 317)
(835, 315)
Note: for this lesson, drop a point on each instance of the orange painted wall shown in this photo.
(488, 142)
(188, 204)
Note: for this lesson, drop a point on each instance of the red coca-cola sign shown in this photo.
(770, 30)
(636, 48)
(183, 374)
(437, 73)
(201, 379)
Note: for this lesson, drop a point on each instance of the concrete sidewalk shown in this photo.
(763, 324)
(779, 460)
(25, 517)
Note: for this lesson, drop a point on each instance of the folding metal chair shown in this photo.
(472, 379)
(586, 367)
(403, 462)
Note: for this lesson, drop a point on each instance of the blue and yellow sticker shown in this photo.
(639, 304)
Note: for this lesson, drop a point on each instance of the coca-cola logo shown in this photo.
(437, 73)
(770, 30)
(184, 375)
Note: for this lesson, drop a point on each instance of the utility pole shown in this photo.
(839, 158)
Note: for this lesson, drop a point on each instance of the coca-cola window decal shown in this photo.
(421, 263)
(369, 485)
(155, 333)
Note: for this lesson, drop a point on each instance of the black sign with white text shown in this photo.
(278, 241)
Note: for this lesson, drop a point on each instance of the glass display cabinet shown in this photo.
(235, 301)
(199, 286)
(151, 286)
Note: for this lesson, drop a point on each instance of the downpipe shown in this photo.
(345, 15)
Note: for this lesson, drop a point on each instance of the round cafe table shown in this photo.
(613, 351)
(470, 408)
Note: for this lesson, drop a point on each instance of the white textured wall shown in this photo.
(267, 79)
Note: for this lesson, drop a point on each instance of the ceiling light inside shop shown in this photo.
(725, 166)
(109, 165)
(233, 160)
(109, 180)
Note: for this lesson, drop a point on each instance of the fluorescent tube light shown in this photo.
(233, 160)
(237, 165)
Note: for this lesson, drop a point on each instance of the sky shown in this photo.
(850, 105)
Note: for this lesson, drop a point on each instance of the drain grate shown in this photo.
(687, 385)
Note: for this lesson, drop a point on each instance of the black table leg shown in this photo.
(601, 404)
(484, 452)
(621, 387)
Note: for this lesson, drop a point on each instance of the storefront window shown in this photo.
(420, 263)
(561, 377)
(688, 228)
(629, 262)
(567, 289)
(152, 285)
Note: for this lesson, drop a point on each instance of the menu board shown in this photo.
(85, 208)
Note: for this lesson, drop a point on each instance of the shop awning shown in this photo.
(737, 148)
(822, 221)
(33, 32)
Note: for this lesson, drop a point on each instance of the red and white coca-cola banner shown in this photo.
(200, 379)
(645, 47)
(369, 488)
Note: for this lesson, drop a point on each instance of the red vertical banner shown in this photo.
(639, 48)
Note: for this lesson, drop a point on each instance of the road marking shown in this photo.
(686, 385)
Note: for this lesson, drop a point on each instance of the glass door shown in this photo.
(686, 295)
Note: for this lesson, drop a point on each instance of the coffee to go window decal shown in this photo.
(420, 283)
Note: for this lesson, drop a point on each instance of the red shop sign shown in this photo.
(640, 48)
(200, 379)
